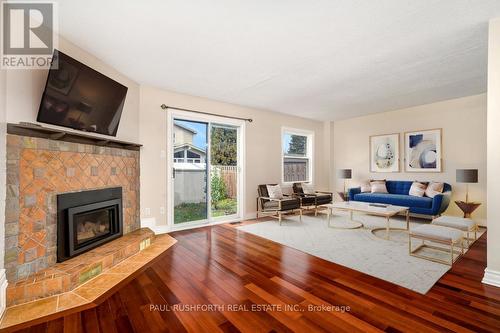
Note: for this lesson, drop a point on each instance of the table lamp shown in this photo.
(344, 174)
(467, 176)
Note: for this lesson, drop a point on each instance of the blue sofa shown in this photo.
(399, 195)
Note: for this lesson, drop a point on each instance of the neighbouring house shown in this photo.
(189, 167)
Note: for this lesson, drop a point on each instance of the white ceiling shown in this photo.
(321, 59)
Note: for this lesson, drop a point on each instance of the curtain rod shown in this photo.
(164, 107)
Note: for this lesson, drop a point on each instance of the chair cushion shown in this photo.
(437, 232)
(461, 223)
(286, 204)
(308, 189)
(308, 200)
(323, 199)
(395, 199)
(274, 191)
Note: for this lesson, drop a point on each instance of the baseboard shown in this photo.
(3, 291)
(160, 229)
(491, 277)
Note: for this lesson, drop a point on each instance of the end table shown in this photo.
(467, 207)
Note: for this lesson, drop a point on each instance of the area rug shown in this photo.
(358, 249)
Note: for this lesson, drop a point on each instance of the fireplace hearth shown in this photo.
(87, 219)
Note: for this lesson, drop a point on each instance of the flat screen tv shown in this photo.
(79, 97)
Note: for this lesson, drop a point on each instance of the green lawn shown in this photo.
(225, 207)
(186, 212)
(198, 211)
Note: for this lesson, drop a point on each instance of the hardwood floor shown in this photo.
(224, 267)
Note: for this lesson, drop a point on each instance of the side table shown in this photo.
(467, 207)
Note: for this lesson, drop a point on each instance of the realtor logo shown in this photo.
(28, 34)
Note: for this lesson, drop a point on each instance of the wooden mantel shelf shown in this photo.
(61, 135)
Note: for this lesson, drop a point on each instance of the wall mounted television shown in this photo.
(79, 97)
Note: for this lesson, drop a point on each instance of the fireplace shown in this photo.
(87, 219)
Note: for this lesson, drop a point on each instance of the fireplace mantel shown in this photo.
(37, 131)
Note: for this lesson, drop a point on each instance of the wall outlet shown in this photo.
(147, 211)
(162, 210)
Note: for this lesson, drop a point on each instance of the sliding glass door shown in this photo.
(205, 161)
(224, 170)
(190, 171)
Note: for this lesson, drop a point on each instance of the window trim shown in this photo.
(310, 153)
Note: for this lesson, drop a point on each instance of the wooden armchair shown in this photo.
(312, 201)
(275, 208)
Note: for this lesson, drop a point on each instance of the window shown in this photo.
(297, 155)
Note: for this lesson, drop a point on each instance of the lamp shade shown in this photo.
(344, 173)
(467, 176)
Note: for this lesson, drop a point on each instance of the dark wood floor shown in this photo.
(223, 266)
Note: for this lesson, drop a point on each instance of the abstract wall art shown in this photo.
(423, 152)
(384, 153)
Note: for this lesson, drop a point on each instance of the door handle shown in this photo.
(173, 172)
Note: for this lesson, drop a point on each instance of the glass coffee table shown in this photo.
(386, 211)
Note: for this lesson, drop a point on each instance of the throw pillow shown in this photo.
(274, 191)
(378, 186)
(308, 189)
(433, 189)
(365, 187)
(417, 189)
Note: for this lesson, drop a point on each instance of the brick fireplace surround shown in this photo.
(37, 170)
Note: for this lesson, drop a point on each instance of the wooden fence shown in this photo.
(229, 175)
(295, 169)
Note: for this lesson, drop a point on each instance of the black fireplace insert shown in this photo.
(87, 219)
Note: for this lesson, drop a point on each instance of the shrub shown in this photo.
(218, 187)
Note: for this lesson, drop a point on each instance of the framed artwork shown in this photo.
(423, 151)
(384, 153)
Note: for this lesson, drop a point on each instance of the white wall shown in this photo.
(25, 88)
(463, 122)
(492, 275)
(263, 146)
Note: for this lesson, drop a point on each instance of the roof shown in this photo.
(190, 147)
(185, 128)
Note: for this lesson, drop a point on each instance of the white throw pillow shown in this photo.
(308, 189)
(378, 186)
(417, 189)
(433, 189)
(365, 187)
(274, 191)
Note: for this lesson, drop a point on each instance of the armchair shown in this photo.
(312, 201)
(275, 208)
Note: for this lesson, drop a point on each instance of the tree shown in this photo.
(223, 146)
(297, 145)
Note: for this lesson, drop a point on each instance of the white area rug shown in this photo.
(358, 249)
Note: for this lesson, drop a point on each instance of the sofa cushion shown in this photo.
(417, 189)
(365, 187)
(433, 189)
(378, 186)
(398, 186)
(395, 199)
